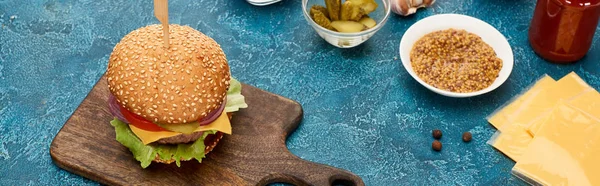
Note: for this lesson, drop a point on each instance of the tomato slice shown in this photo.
(139, 121)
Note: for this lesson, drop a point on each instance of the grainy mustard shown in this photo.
(455, 60)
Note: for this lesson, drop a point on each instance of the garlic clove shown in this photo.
(408, 7)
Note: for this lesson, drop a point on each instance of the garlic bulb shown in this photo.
(407, 7)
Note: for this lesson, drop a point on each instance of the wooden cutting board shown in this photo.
(255, 154)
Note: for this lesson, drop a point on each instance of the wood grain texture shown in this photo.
(255, 154)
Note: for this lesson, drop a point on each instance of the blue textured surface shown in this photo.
(363, 112)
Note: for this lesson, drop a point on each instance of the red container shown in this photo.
(562, 31)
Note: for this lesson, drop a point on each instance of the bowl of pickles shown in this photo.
(346, 23)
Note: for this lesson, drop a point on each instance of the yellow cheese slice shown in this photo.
(514, 111)
(564, 151)
(151, 136)
(512, 141)
(588, 102)
(566, 88)
(220, 124)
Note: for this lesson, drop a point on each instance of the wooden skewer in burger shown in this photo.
(170, 101)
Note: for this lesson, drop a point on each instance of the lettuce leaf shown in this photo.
(146, 153)
(235, 99)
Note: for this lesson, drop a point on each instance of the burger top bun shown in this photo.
(177, 85)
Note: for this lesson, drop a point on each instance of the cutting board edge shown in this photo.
(296, 122)
(57, 161)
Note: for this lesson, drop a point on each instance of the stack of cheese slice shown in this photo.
(552, 132)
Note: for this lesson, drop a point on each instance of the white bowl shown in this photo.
(487, 32)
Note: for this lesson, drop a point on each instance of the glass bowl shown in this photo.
(262, 2)
(348, 40)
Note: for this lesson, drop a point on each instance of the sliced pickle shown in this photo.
(367, 5)
(348, 26)
(351, 12)
(318, 8)
(321, 20)
(346, 12)
(186, 128)
(368, 22)
(333, 8)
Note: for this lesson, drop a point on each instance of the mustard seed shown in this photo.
(455, 60)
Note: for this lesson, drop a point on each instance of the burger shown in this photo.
(170, 103)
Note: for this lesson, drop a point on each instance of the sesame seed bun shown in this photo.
(177, 85)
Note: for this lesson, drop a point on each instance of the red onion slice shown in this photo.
(212, 116)
(115, 111)
(114, 108)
